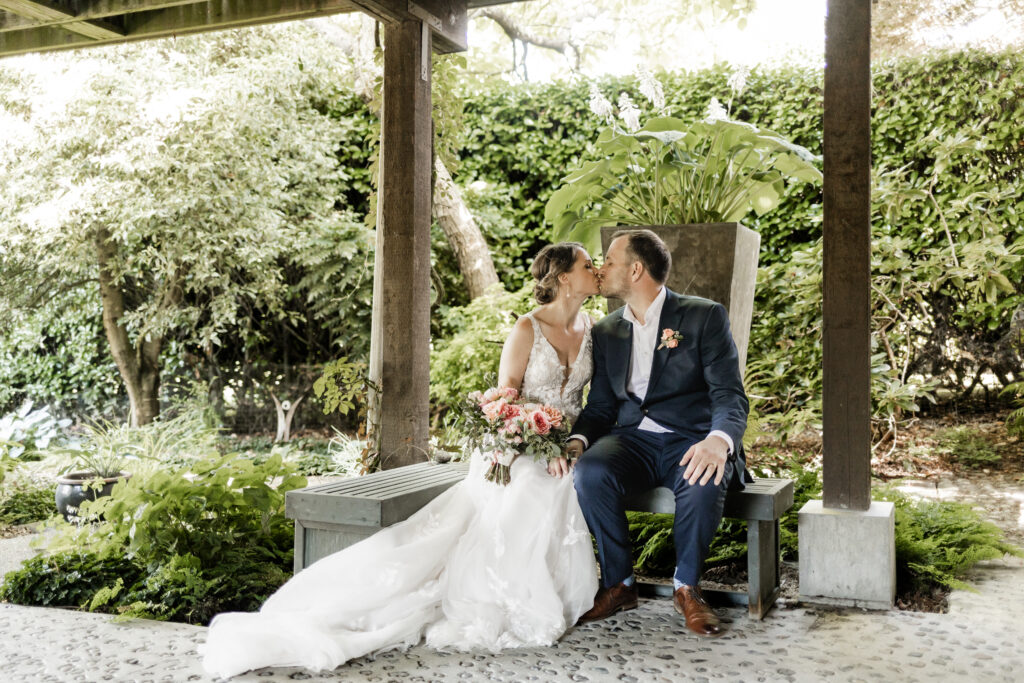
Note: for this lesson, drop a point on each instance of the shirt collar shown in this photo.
(653, 311)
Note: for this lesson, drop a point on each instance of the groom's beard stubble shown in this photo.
(609, 291)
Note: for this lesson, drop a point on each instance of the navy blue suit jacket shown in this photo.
(694, 388)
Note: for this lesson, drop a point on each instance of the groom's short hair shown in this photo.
(644, 246)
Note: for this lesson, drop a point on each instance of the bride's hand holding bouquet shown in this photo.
(503, 427)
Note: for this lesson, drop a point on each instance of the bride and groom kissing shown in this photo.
(492, 567)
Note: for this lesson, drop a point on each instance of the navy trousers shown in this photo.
(629, 461)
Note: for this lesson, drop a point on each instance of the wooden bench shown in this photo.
(761, 504)
(333, 516)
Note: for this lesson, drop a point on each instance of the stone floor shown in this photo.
(978, 640)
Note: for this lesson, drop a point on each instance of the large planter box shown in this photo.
(717, 261)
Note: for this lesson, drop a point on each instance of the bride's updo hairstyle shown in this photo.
(550, 262)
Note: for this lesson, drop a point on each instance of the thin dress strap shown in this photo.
(537, 334)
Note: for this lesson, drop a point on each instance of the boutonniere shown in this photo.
(669, 339)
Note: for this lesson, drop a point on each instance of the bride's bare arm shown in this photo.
(515, 354)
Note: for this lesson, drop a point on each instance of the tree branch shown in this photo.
(515, 31)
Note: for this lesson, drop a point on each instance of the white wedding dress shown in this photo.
(481, 566)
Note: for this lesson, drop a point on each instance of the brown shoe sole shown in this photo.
(721, 631)
(621, 608)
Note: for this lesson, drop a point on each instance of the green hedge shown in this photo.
(527, 137)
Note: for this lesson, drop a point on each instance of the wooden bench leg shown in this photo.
(762, 566)
(299, 561)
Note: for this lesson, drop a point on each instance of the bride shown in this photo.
(481, 566)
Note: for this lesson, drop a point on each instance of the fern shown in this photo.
(1015, 420)
(938, 542)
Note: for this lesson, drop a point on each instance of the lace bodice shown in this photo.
(542, 381)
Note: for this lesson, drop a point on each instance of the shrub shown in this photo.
(1015, 420)
(468, 359)
(68, 579)
(26, 499)
(174, 438)
(938, 542)
(968, 448)
(181, 545)
(25, 433)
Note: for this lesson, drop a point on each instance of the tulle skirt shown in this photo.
(480, 567)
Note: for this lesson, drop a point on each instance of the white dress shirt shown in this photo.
(646, 337)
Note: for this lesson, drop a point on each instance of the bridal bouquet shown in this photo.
(503, 426)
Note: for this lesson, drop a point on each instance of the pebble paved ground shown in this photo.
(978, 640)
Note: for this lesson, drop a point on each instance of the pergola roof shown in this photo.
(49, 25)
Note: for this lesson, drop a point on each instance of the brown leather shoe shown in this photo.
(608, 601)
(699, 617)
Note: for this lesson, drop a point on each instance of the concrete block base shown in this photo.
(848, 558)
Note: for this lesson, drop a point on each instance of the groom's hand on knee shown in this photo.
(704, 460)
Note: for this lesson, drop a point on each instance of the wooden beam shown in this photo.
(178, 19)
(403, 241)
(223, 14)
(447, 19)
(92, 11)
(846, 335)
(49, 13)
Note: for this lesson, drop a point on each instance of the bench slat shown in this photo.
(378, 499)
(762, 499)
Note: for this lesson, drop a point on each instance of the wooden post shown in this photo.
(403, 242)
(846, 401)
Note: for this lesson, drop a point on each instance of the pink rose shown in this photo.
(540, 422)
(493, 410)
(668, 333)
(671, 343)
(511, 410)
(491, 394)
(512, 426)
(554, 416)
(509, 393)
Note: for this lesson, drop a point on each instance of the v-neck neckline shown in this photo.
(579, 351)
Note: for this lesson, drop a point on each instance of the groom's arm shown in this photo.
(705, 460)
(601, 410)
(729, 403)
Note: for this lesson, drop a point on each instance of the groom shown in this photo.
(666, 408)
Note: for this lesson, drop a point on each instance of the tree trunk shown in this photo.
(450, 209)
(139, 367)
(462, 232)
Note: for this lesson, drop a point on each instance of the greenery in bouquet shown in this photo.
(503, 426)
(669, 172)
